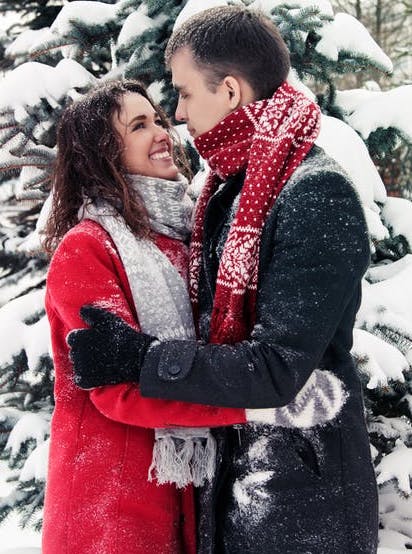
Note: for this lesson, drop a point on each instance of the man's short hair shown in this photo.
(232, 40)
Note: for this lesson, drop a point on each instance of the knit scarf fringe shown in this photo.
(183, 460)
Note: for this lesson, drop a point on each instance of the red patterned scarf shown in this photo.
(269, 138)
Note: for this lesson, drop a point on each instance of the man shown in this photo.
(279, 248)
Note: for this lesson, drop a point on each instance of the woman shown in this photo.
(117, 232)
(117, 171)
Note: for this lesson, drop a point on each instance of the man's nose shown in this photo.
(180, 114)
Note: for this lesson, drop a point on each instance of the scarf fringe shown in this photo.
(183, 461)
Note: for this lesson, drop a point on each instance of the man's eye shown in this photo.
(183, 95)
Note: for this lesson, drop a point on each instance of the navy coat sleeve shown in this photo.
(313, 254)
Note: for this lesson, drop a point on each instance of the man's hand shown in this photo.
(109, 352)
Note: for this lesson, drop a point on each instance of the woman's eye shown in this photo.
(138, 126)
(161, 123)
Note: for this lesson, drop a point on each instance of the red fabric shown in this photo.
(98, 499)
(269, 138)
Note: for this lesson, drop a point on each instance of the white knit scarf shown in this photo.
(181, 455)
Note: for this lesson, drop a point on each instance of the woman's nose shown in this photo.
(161, 134)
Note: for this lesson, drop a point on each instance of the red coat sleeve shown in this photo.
(86, 269)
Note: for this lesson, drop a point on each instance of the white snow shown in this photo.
(27, 278)
(397, 465)
(155, 91)
(396, 516)
(89, 13)
(266, 6)
(387, 302)
(294, 81)
(25, 40)
(50, 83)
(387, 270)
(378, 359)
(17, 335)
(397, 215)
(14, 539)
(135, 24)
(346, 34)
(30, 426)
(251, 485)
(35, 467)
(369, 110)
(33, 242)
(193, 7)
(391, 428)
(21, 550)
(343, 144)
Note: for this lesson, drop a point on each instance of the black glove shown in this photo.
(108, 353)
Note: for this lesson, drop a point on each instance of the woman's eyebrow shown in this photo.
(137, 118)
(142, 117)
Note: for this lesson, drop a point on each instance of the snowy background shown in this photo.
(364, 127)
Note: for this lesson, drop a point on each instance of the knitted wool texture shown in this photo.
(269, 138)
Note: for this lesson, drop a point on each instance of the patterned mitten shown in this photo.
(318, 402)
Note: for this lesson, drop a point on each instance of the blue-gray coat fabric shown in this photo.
(278, 490)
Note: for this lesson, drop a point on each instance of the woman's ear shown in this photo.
(233, 89)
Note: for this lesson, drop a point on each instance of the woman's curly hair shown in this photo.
(88, 161)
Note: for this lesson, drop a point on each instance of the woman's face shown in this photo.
(147, 146)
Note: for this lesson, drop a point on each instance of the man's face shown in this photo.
(199, 107)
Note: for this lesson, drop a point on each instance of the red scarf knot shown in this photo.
(269, 138)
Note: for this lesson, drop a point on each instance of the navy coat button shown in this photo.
(174, 369)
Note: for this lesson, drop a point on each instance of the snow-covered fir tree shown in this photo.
(91, 40)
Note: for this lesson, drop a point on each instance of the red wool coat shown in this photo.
(98, 499)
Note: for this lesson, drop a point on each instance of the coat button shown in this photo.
(174, 369)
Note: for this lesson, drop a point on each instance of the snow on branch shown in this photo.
(31, 426)
(344, 145)
(90, 13)
(378, 359)
(46, 82)
(369, 110)
(193, 7)
(18, 334)
(324, 7)
(386, 271)
(346, 35)
(35, 467)
(397, 215)
(397, 465)
(387, 303)
(135, 24)
(25, 41)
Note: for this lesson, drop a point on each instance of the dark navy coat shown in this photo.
(284, 491)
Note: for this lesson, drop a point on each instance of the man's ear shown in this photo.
(239, 91)
(233, 89)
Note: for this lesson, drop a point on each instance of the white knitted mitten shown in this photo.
(318, 402)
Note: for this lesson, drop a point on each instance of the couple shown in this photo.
(236, 427)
